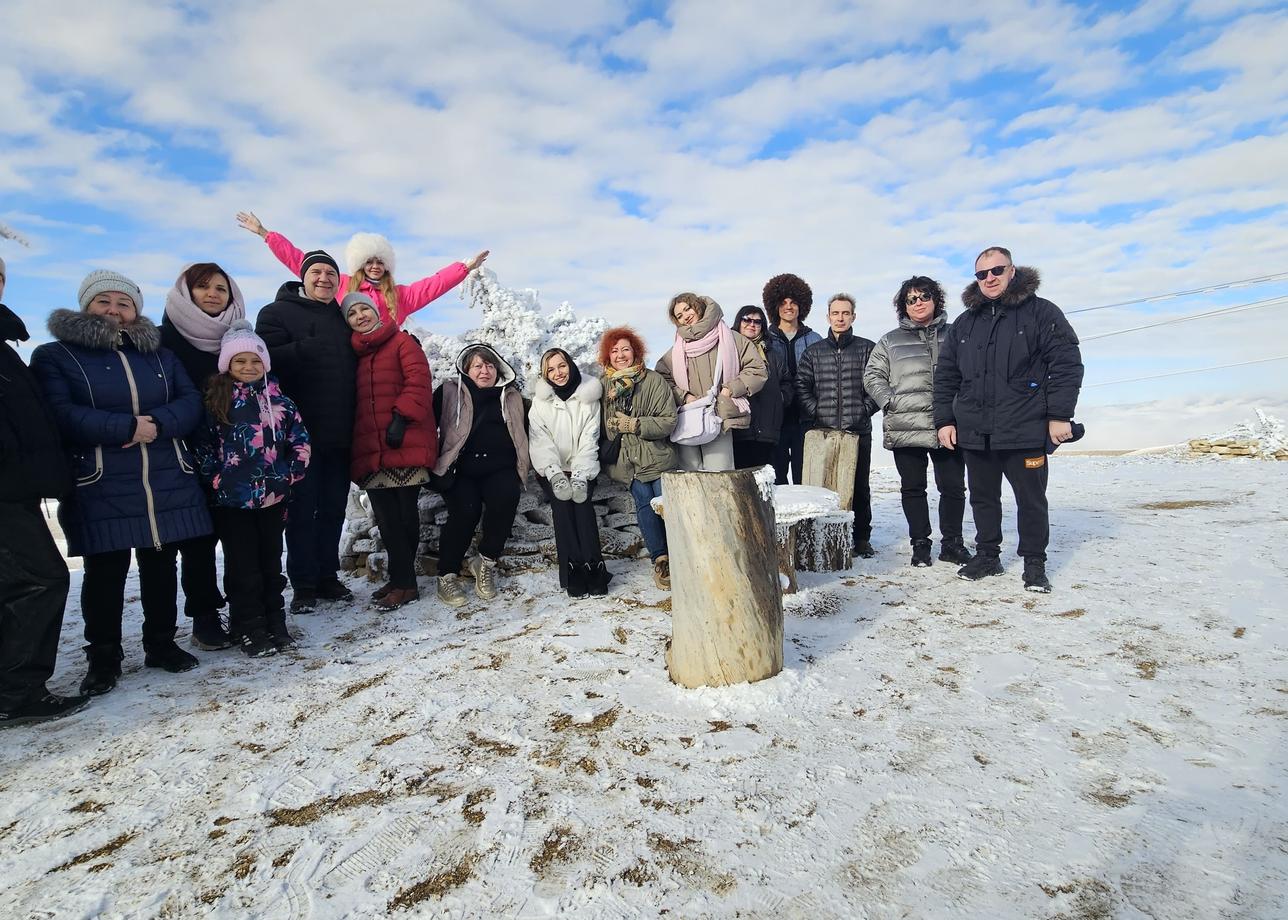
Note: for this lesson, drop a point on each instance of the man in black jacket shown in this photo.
(33, 575)
(308, 340)
(830, 393)
(1005, 392)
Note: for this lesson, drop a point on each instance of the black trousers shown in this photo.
(316, 518)
(398, 516)
(863, 491)
(950, 480)
(752, 455)
(494, 497)
(576, 529)
(198, 577)
(103, 595)
(253, 580)
(33, 593)
(1026, 471)
(790, 451)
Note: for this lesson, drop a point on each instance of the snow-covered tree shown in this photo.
(513, 323)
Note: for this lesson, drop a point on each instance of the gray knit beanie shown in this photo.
(355, 297)
(100, 280)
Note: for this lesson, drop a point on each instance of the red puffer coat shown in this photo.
(393, 373)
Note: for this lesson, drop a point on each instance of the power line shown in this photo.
(1223, 311)
(1227, 285)
(1197, 370)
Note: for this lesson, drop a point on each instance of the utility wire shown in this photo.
(1196, 370)
(1223, 311)
(1246, 282)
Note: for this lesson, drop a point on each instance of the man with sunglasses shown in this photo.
(1005, 392)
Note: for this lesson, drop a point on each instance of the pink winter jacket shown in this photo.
(411, 297)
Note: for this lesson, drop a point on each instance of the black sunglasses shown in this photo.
(995, 271)
(914, 299)
(754, 320)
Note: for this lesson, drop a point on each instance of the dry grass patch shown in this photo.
(437, 885)
(1185, 504)
(356, 688)
(106, 849)
(307, 814)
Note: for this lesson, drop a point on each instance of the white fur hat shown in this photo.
(362, 246)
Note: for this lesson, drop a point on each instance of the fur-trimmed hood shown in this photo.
(100, 332)
(362, 246)
(589, 391)
(1023, 286)
(505, 373)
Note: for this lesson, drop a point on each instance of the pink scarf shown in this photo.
(720, 335)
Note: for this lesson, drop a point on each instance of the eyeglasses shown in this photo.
(996, 271)
(914, 299)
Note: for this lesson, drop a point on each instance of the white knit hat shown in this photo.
(365, 245)
(96, 282)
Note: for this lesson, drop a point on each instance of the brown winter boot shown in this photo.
(662, 572)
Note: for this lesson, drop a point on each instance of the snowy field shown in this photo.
(932, 749)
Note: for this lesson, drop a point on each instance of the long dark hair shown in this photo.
(219, 396)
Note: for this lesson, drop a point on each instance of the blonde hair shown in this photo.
(385, 287)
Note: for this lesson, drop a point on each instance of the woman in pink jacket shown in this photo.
(370, 260)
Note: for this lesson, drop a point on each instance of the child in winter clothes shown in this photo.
(370, 261)
(254, 450)
(563, 442)
(395, 439)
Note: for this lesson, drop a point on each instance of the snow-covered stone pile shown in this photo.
(1264, 438)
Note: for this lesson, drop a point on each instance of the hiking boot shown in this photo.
(258, 644)
(168, 657)
(576, 578)
(332, 589)
(380, 592)
(43, 708)
(954, 550)
(276, 625)
(662, 572)
(449, 590)
(981, 567)
(398, 597)
(303, 600)
(208, 633)
(597, 578)
(863, 549)
(921, 554)
(484, 571)
(104, 669)
(1035, 578)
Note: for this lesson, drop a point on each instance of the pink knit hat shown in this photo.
(240, 338)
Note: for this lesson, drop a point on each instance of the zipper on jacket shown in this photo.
(143, 448)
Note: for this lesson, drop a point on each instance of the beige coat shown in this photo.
(752, 373)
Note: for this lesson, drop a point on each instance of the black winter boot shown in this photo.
(104, 669)
(577, 586)
(208, 633)
(276, 623)
(43, 708)
(257, 643)
(599, 578)
(981, 567)
(1035, 578)
(921, 554)
(165, 654)
(332, 589)
(954, 550)
(863, 549)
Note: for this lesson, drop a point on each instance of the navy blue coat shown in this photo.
(1007, 368)
(96, 379)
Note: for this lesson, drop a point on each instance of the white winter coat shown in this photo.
(565, 434)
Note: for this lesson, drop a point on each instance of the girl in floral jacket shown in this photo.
(254, 449)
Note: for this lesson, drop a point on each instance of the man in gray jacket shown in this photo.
(901, 377)
(829, 390)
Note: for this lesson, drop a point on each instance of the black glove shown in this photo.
(394, 433)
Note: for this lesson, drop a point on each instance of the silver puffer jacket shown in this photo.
(900, 376)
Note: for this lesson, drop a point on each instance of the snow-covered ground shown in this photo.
(933, 748)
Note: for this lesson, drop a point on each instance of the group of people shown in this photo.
(164, 441)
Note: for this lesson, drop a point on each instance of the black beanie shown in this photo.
(317, 255)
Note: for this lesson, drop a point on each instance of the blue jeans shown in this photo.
(651, 525)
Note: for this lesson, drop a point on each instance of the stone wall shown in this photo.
(1235, 447)
(531, 544)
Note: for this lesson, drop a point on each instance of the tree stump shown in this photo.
(726, 607)
(831, 457)
(825, 542)
(786, 540)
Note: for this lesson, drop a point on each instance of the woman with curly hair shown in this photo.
(639, 416)
(787, 300)
(900, 376)
(706, 350)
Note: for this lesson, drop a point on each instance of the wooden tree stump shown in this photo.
(825, 542)
(786, 539)
(726, 607)
(831, 457)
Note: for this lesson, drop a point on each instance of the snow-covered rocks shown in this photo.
(1265, 438)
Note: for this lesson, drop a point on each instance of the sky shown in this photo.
(613, 154)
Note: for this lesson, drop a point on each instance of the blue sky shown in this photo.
(612, 154)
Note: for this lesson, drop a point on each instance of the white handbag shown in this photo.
(698, 423)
